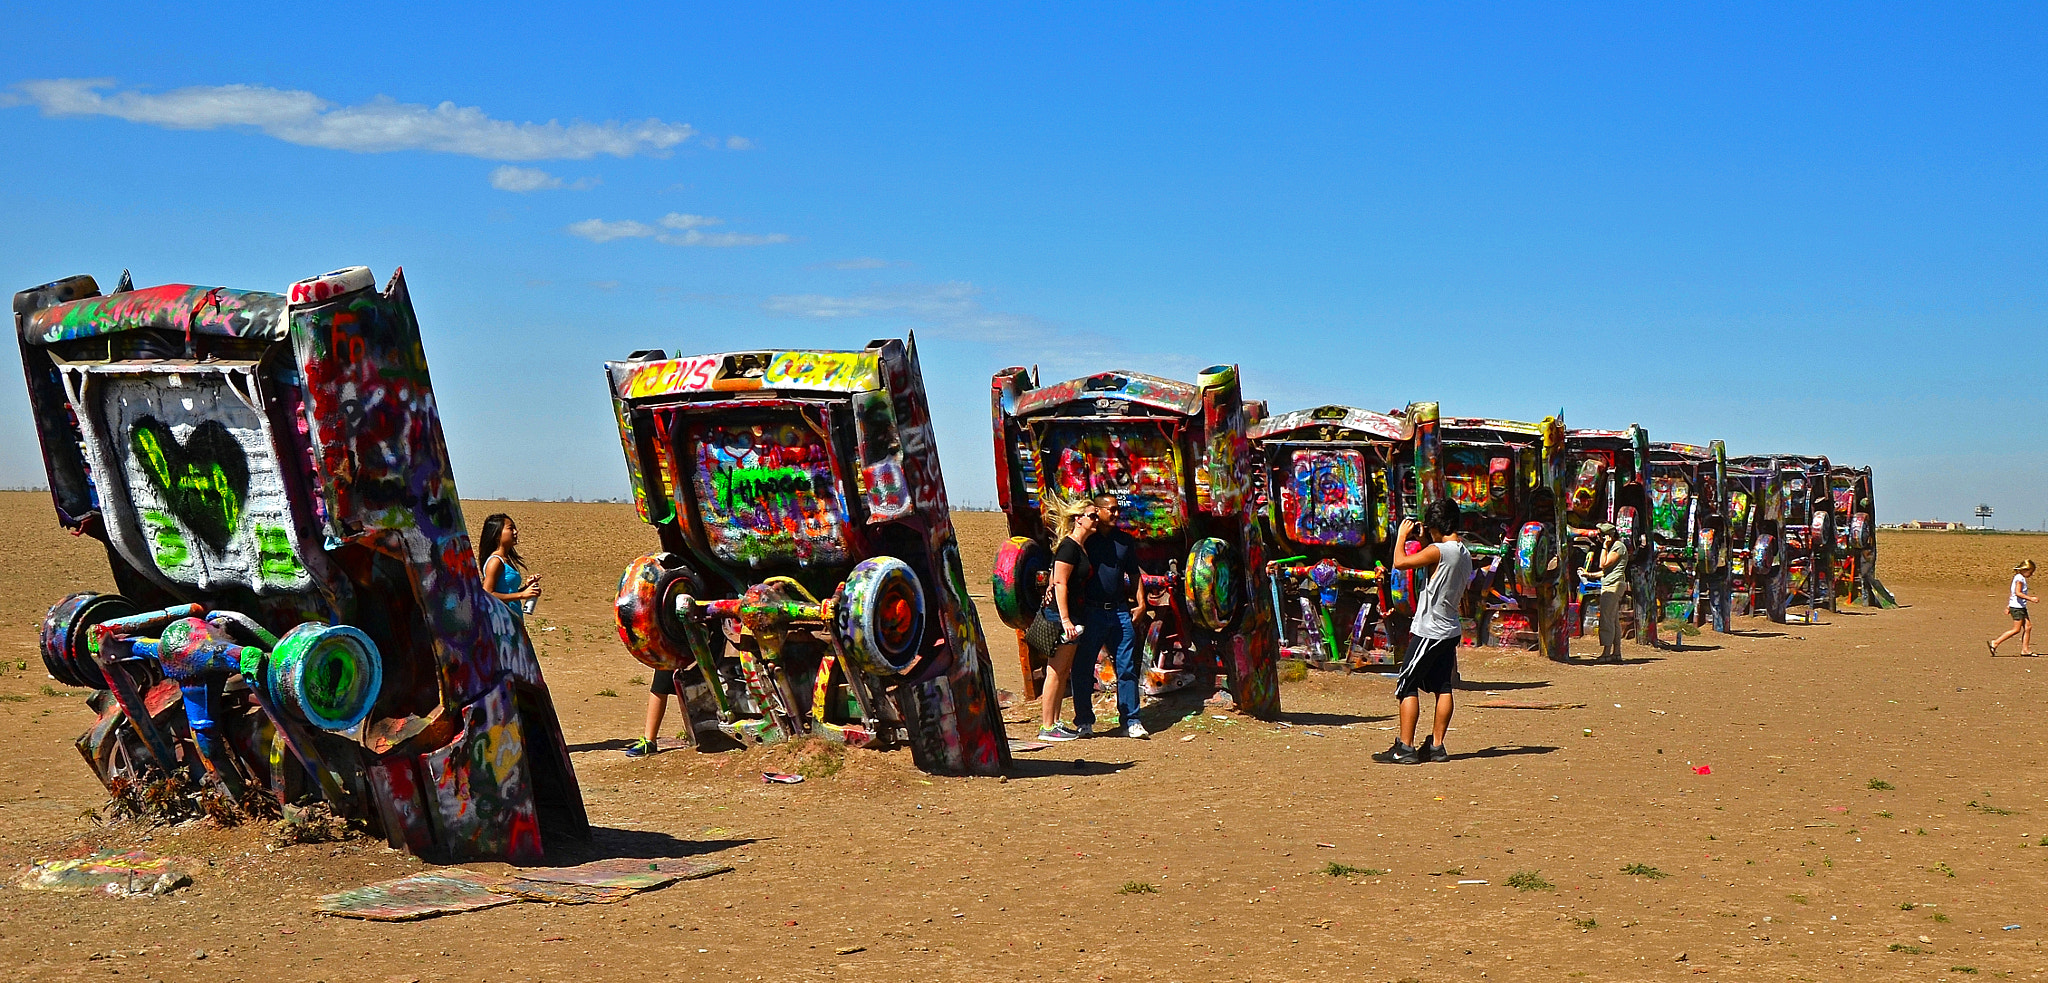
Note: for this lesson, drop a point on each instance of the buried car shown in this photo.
(1606, 485)
(1688, 530)
(809, 581)
(1507, 479)
(1335, 481)
(299, 614)
(1176, 457)
(1791, 557)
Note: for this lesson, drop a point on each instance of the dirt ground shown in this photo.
(1852, 800)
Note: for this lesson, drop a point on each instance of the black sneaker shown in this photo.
(1432, 751)
(1399, 754)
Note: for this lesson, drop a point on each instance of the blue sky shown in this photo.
(1816, 230)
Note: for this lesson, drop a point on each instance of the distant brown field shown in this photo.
(1734, 777)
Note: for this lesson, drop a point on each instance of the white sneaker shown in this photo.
(1137, 731)
(1085, 730)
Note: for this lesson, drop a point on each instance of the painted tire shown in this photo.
(1535, 547)
(67, 636)
(1214, 584)
(881, 615)
(1859, 530)
(1761, 557)
(646, 610)
(327, 675)
(326, 286)
(1020, 564)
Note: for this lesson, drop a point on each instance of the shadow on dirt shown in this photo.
(1058, 767)
(1524, 684)
(1505, 750)
(1310, 718)
(606, 843)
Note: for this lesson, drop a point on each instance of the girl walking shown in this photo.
(2016, 605)
(1072, 524)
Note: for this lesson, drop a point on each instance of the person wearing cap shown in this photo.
(1613, 578)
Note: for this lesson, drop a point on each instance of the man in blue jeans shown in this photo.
(1113, 601)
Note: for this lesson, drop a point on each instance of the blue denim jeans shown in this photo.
(1101, 627)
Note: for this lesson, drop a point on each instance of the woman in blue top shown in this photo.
(503, 566)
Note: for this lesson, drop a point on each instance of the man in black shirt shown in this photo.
(1113, 601)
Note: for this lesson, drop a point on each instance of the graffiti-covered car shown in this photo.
(1507, 478)
(1335, 483)
(297, 610)
(809, 580)
(1688, 531)
(1791, 554)
(1177, 458)
(1605, 482)
(1852, 493)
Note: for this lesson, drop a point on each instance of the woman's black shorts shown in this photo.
(2018, 614)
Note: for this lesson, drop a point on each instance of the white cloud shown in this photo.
(679, 221)
(719, 239)
(378, 126)
(738, 143)
(523, 179)
(862, 263)
(684, 230)
(599, 230)
(949, 308)
(527, 179)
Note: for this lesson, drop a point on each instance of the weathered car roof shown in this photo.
(1348, 417)
(1147, 390)
(181, 307)
(1499, 426)
(793, 370)
(1628, 434)
(1682, 450)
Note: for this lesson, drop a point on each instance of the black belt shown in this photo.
(1104, 605)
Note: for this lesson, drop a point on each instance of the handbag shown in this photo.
(1045, 633)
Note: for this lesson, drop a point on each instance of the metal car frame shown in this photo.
(1177, 457)
(1852, 498)
(1334, 482)
(1508, 480)
(799, 494)
(1685, 491)
(1605, 482)
(1793, 548)
(1749, 577)
(299, 613)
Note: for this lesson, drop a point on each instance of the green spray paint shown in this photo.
(166, 542)
(746, 486)
(202, 480)
(275, 556)
(277, 563)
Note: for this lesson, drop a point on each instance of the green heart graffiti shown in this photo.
(203, 479)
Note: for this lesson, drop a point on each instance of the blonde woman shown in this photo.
(1072, 524)
(2016, 605)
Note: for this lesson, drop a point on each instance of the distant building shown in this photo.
(1935, 524)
